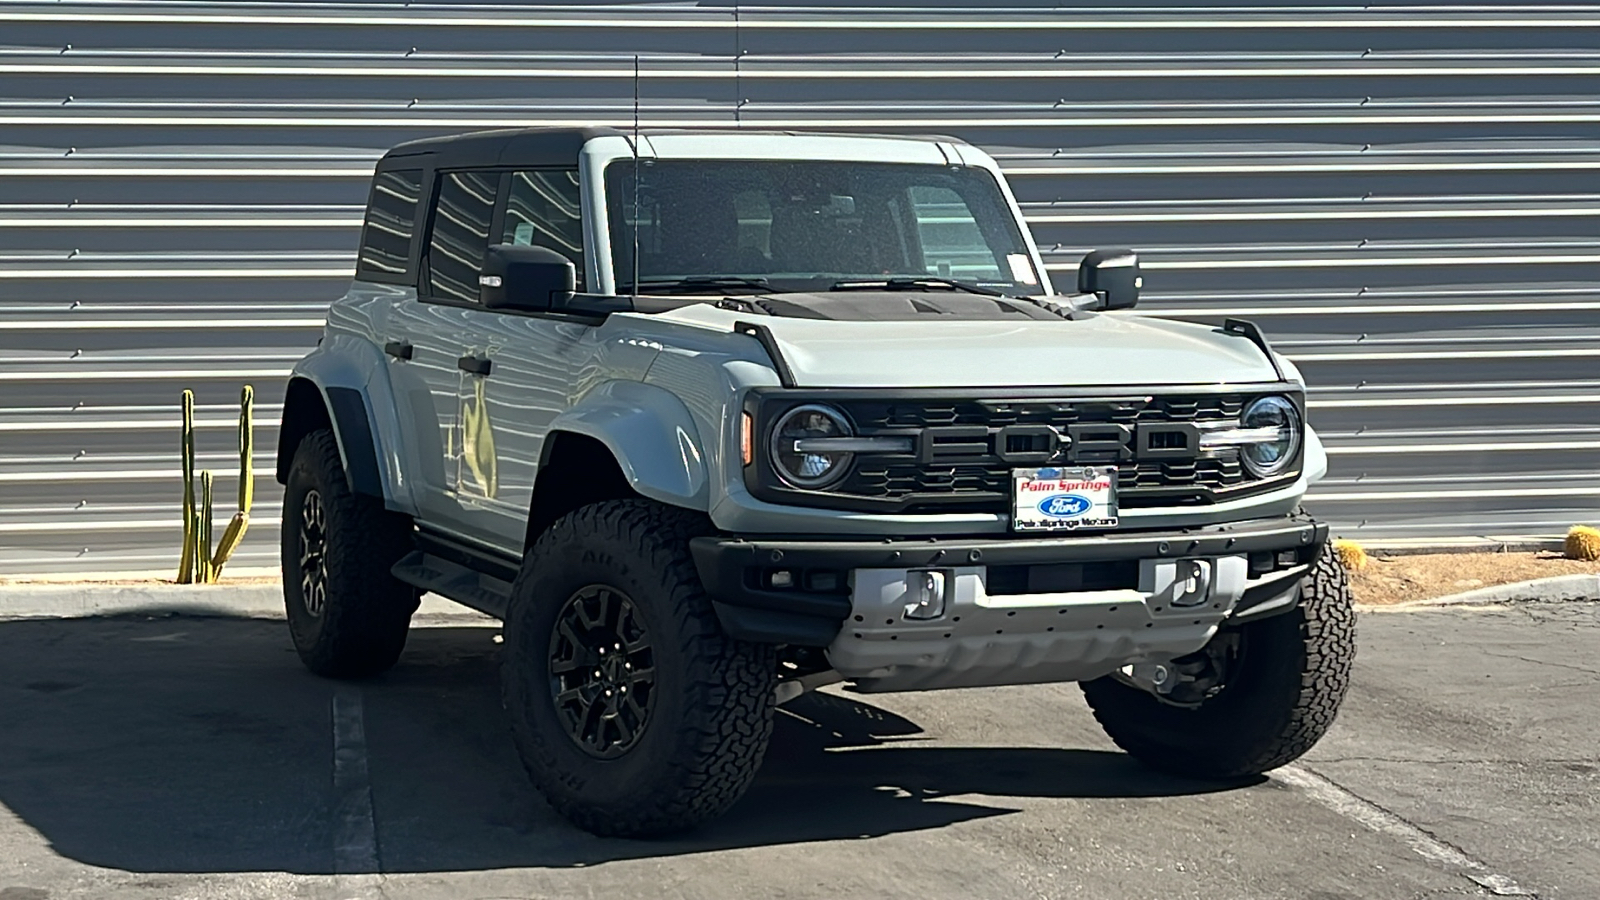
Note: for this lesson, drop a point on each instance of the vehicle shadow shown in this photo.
(180, 744)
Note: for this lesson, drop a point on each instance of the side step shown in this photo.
(468, 587)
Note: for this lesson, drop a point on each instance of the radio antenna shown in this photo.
(637, 214)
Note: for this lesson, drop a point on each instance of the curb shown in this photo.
(252, 601)
(1560, 588)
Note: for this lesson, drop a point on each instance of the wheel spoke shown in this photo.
(602, 671)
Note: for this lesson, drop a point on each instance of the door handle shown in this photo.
(398, 349)
(474, 365)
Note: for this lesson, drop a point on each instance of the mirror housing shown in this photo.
(517, 276)
(1113, 276)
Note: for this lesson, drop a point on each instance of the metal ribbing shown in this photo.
(1404, 196)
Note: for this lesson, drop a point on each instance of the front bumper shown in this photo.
(1047, 627)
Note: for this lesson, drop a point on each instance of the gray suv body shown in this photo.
(711, 419)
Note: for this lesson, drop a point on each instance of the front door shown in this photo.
(494, 380)
(523, 369)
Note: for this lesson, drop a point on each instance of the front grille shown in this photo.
(874, 415)
(965, 460)
(1136, 483)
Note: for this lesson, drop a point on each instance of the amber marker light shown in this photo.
(747, 427)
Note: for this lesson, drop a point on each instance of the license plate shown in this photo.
(1064, 499)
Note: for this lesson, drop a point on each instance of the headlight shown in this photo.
(810, 446)
(1277, 423)
(1268, 436)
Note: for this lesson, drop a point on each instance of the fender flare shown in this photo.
(652, 436)
(351, 378)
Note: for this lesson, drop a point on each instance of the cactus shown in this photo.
(186, 562)
(1351, 555)
(234, 533)
(198, 563)
(1583, 542)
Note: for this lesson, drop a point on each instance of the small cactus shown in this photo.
(1351, 555)
(197, 563)
(1583, 542)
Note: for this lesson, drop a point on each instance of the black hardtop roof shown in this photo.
(502, 147)
(551, 146)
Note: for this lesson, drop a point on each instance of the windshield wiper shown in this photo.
(912, 283)
(699, 284)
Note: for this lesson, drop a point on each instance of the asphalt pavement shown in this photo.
(147, 757)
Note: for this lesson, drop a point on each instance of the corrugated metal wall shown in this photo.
(1405, 197)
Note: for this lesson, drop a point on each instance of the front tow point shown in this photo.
(925, 593)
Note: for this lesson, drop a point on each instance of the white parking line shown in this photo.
(1381, 820)
(355, 835)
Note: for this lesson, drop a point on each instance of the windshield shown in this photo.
(796, 226)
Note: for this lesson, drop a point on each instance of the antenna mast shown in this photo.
(636, 212)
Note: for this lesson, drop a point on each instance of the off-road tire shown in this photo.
(712, 710)
(1292, 675)
(358, 627)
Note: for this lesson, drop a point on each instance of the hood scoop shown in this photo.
(889, 306)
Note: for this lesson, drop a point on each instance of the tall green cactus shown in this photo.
(186, 562)
(198, 564)
(234, 533)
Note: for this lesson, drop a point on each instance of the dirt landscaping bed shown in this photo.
(1401, 579)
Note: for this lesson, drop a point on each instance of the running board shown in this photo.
(468, 587)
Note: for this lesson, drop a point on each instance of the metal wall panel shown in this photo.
(1405, 197)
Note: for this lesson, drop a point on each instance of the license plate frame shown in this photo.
(1064, 498)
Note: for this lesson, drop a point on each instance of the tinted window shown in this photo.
(544, 210)
(460, 234)
(806, 225)
(391, 216)
(953, 246)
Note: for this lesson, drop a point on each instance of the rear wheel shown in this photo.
(347, 615)
(633, 712)
(1284, 678)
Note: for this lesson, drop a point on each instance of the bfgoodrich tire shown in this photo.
(1280, 696)
(347, 615)
(633, 712)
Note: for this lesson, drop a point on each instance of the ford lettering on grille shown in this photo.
(1064, 506)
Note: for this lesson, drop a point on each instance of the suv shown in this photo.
(712, 419)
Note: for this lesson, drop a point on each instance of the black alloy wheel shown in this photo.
(602, 671)
(313, 555)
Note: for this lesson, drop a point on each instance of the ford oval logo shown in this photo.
(1064, 506)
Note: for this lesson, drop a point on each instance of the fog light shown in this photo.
(781, 578)
(1287, 558)
(824, 581)
(925, 594)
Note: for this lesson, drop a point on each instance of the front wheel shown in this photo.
(1285, 678)
(633, 712)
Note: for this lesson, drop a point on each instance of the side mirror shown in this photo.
(1113, 276)
(516, 276)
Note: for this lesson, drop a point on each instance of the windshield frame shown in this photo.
(603, 153)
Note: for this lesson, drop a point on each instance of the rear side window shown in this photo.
(460, 234)
(543, 209)
(391, 218)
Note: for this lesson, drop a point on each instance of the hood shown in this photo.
(997, 349)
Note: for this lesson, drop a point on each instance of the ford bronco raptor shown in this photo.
(711, 419)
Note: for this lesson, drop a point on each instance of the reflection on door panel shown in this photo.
(477, 465)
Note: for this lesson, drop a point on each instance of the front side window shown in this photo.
(544, 209)
(807, 225)
(391, 216)
(460, 234)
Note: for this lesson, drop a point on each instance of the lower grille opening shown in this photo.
(1058, 578)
